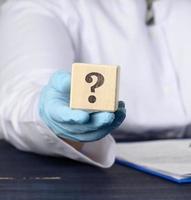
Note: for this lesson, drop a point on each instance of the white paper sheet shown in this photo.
(170, 157)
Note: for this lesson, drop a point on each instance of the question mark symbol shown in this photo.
(99, 82)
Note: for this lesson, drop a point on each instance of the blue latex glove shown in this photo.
(76, 125)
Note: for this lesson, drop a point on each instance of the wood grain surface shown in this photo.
(26, 176)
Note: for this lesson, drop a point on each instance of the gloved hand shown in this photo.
(76, 125)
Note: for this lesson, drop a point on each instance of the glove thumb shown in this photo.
(61, 81)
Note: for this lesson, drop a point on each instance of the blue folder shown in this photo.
(152, 172)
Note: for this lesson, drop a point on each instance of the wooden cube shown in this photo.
(94, 87)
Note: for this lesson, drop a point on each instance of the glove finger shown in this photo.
(101, 119)
(61, 82)
(63, 114)
(93, 136)
(97, 121)
(120, 115)
(77, 132)
(94, 123)
(121, 104)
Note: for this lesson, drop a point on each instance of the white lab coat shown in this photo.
(39, 37)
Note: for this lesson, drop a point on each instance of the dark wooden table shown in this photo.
(25, 176)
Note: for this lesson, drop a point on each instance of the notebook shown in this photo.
(169, 159)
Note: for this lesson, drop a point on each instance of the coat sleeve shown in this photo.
(34, 43)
